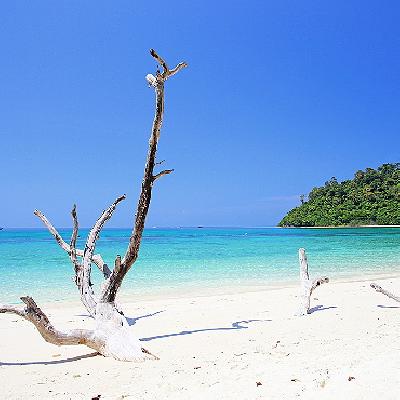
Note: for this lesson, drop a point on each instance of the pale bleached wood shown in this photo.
(87, 294)
(115, 280)
(166, 71)
(385, 292)
(97, 259)
(111, 336)
(307, 285)
(72, 245)
(87, 299)
(162, 173)
(83, 270)
(37, 317)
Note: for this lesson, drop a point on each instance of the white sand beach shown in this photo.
(227, 346)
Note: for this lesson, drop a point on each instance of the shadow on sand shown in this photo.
(66, 360)
(235, 325)
(382, 306)
(320, 307)
(132, 321)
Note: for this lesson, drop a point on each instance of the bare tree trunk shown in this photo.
(307, 285)
(115, 280)
(111, 336)
(385, 292)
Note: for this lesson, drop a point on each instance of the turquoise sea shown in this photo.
(31, 262)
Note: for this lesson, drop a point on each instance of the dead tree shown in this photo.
(307, 285)
(111, 335)
(385, 292)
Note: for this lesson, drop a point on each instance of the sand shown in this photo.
(248, 345)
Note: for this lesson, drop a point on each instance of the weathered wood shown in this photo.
(72, 245)
(87, 294)
(385, 292)
(83, 269)
(115, 280)
(162, 173)
(112, 335)
(37, 317)
(97, 259)
(86, 297)
(307, 285)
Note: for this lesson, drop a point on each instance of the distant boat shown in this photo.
(1, 228)
(200, 227)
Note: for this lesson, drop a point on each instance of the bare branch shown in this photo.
(72, 245)
(87, 295)
(111, 336)
(385, 292)
(160, 61)
(177, 69)
(307, 285)
(318, 282)
(162, 173)
(132, 252)
(101, 265)
(117, 265)
(36, 316)
(97, 259)
(77, 266)
(52, 230)
(166, 72)
(95, 231)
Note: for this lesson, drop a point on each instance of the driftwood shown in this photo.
(307, 285)
(385, 292)
(111, 336)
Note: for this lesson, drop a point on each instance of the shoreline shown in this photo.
(130, 295)
(152, 228)
(339, 227)
(232, 289)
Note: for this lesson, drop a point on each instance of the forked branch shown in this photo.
(114, 282)
(97, 259)
(307, 285)
(102, 339)
(95, 232)
(85, 287)
(72, 245)
(166, 71)
(112, 335)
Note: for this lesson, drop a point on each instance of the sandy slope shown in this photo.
(218, 347)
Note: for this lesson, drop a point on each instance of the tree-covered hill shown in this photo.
(371, 197)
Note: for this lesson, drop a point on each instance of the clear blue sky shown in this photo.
(279, 96)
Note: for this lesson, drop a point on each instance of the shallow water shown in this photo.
(32, 263)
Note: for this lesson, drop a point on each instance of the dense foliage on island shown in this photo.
(372, 197)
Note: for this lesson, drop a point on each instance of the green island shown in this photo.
(372, 197)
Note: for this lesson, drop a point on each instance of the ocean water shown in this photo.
(31, 262)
